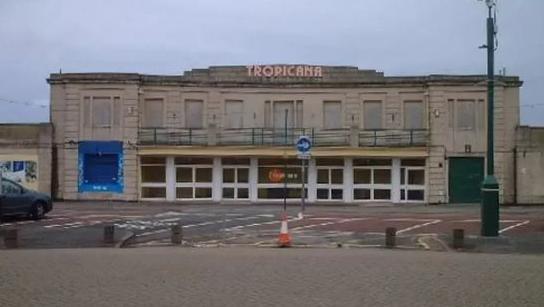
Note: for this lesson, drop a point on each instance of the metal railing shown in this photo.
(282, 137)
(172, 136)
(393, 138)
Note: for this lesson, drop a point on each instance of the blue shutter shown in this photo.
(100, 169)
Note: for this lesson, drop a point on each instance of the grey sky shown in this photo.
(398, 37)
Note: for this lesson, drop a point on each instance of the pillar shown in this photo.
(217, 180)
(348, 180)
(312, 181)
(170, 179)
(395, 181)
(253, 178)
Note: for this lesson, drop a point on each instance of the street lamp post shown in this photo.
(490, 186)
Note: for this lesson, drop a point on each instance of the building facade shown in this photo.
(26, 155)
(227, 133)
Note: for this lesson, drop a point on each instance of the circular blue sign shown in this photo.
(304, 144)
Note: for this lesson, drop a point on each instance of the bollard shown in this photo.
(11, 238)
(109, 233)
(390, 234)
(458, 238)
(177, 234)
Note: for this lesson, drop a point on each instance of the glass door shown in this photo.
(412, 182)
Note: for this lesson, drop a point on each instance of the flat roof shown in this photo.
(278, 75)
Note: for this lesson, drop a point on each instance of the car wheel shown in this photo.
(38, 210)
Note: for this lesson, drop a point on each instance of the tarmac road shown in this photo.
(267, 277)
(80, 224)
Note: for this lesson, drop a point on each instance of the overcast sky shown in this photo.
(398, 37)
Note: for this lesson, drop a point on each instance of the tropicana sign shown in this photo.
(298, 71)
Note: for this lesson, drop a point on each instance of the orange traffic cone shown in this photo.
(284, 239)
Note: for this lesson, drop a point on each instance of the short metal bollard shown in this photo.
(390, 235)
(11, 238)
(458, 238)
(177, 234)
(109, 234)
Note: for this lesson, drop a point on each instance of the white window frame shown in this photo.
(193, 184)
(407, 186)
(235, 185)
(329, 186)
(373, 186)
(153, 184)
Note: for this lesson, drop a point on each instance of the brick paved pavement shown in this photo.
(267, 277)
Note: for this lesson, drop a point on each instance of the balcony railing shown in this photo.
(393, 138)
(282, 137)
(172, 136)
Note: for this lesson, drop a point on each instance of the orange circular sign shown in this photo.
(276, 175)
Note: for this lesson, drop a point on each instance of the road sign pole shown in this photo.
(302, 192)
(490, 186)
(303, 146)
(285, 166)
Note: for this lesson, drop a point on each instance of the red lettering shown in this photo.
(318, 72)
(308, 71)
(291, 71)
(250, 70)
(277, 71)
(257, 71)
(268, 71)
(300, 71)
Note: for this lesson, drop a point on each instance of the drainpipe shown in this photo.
(515, 175)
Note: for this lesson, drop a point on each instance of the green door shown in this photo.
(465, 179)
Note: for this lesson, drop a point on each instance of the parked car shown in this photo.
(16, 200)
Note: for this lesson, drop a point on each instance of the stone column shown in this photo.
(395, 181)
(217, 179)
(170, 179)
(348, 180)
(253, 178)
(312, 181)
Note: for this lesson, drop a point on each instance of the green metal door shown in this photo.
(465, 179)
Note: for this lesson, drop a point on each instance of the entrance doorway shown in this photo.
(465, 179)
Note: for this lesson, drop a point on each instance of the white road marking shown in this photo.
(514, 226)
(91, 216)
(67, 225)
(418, 226)
(246, 218)
(25, 222)
(407, 220)
(169, 213)
(259, 224)
(479, 220)
(330, 223)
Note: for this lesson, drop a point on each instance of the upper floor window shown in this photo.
(332, 114)
(153, 112)
(101, 112)
(234, 114)
(194, 113)
(414, 115)
(292, 109)
(372, 115)
(465, 114)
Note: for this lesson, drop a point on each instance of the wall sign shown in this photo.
(294, 71)
(101, 166)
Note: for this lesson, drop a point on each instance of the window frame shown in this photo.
(152, 184)
(340, 115)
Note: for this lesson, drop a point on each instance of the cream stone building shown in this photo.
(227, 133)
